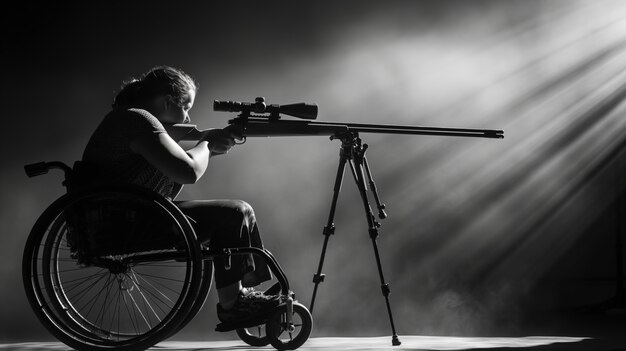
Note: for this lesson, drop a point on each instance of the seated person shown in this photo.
(131, 145)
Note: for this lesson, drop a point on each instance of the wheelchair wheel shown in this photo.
(127, 285)
(289, 337)
(203, 293)
(254, 336)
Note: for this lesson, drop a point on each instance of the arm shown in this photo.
(184, 167)
(183, 132)
(190, 132)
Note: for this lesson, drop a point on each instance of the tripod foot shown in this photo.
(395, 341)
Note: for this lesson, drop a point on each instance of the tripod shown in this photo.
(353, 152)
(261, 120)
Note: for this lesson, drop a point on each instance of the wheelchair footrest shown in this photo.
(246, 323)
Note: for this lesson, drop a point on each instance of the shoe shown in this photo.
(249, 305)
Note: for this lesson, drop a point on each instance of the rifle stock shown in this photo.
(183, 132)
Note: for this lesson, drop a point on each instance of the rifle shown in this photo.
(261, 120)
(258, 119)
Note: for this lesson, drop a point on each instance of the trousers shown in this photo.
(223, 224)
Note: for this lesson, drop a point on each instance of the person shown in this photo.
(132, 145)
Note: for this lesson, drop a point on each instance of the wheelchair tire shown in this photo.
(278, 332)
(203, 293)
(117, 299)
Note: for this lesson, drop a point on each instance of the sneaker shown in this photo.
(250, 304)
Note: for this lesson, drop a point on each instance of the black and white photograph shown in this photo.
(313, 175)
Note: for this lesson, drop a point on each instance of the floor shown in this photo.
(409, 342)
(576, 331)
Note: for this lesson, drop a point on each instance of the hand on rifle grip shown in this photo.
(235, 131)
(221, 140)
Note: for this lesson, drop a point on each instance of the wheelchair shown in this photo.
(119, 267)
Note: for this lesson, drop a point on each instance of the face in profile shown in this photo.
(177, 113)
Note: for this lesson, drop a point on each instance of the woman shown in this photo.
(132, 145)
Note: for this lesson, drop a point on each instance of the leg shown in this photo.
(228, 223)
(224, 224)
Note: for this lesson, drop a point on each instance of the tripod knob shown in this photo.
(381, 211)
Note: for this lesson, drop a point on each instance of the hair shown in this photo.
(159, 80)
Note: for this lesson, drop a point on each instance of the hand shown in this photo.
(235, 131)
(221, 140)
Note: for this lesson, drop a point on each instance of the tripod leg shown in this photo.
(329, 229)
(379, 204)
(356, 166)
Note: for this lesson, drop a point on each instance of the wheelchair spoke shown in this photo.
(137, 308)
(137, 312)
(68, 270)
(72, 284)
(163, 278)
(153, 287)
(103, 308)
(160, 284)
(150, 264)
(87, 289)
(144, 299)
(157, 300)
(132, 316)
(90, 303)
(115, 316)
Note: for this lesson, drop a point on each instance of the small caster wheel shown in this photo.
(289, 337)
(254, 336)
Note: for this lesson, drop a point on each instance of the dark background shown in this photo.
(483, 237)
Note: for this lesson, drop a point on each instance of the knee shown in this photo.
(244, 208)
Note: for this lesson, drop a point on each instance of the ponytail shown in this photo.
(129, 95)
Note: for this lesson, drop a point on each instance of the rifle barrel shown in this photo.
(271, 128)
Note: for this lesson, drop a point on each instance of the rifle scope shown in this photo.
(300, 110)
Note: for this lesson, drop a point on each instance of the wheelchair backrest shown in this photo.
(111, 219)
(118, 223)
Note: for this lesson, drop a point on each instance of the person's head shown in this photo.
(168, 93)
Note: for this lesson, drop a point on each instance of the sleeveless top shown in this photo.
(109, 152)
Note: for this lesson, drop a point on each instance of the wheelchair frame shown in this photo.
(55, 292)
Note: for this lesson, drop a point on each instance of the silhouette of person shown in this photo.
(132, 145)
